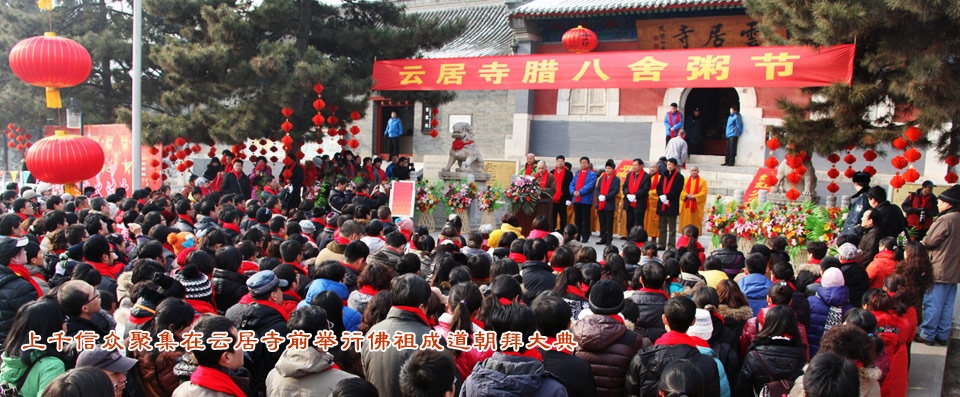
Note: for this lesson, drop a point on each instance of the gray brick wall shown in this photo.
(491, 114)
(597, 140)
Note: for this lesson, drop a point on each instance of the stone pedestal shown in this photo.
(472, 215)
(781, 198)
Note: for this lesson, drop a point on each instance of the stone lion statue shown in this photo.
(464, 151)
(807, 185)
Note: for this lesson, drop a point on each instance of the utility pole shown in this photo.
(136, 171)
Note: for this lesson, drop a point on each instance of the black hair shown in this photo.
(410, 290)
(690, 262)
(817, 248)
(464, 300)
(779, 322)
(512, 318)
(829, 375)
(652, 275)
(877, 193)
(43, 317)
(850, 342)
(377, 309)
(329, 270)
(354, 387)
(290, 250)
(756, 263)
(228, 258)
(681, 378)
(712, 263)
(681, 313)
(206, 325)
(81, 382)
(203, 260)
(780, 293)
(95, 248)
(172, 314)
(783, 272)
(87, 273)
(553, 314)
(309, 319)
(631, 253)
(395, 239)
(375, 275)
(569, 276)
(535, 249)
(427, 373)
(479, 266)
(355, 250)
(408, 263)
(277, 223)
(330, 302)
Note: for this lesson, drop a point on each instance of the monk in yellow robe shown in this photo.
(651, 222)
(694, 200)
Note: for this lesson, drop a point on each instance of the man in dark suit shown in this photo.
(635, 188)
(561, 196)
(668, 204)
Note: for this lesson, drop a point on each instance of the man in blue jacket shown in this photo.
(393, 132)
(581, 187)
(734, 129)
(673, 122)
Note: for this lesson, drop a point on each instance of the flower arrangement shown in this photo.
(798, 223)
(489, 200)
(459, 195)
(523, 194)
(428, 197)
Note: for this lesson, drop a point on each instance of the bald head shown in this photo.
(78, 299)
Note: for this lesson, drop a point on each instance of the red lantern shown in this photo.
(181, 167)
(287, 174)
(62, 158)
(333, 120)
(51, 62)
(833, 187)
(434, 133)
(155, 175)
(354, 130)
(849, 159)
(833, 173)
(950, 177)
(263, 151)
(833, 158)
(11, 135)
(911, 175)
(287, 112)
(772, 162)
(897, 181)
(273, 159)
(163, 177)
(342, 142)
(355, 115)
(180, 141)
(900, 143)
(154, 163)
(287, 161)
(189, 163)
(435, 111)
(801, 170)
(579, 40)
(286, 126)
(20, 147)
(870, 170)
(287, 140)
(794, 177)
(354, 143)
(319, 104)
(773, 143)
(154, 150)
(770, 180)
(870, 155)
(899, 162)
(912, 155)
(952, 161)
(793, 194)
(434, 123)
(318, 119)
(318, 88)
(849, 172)
(913, 134)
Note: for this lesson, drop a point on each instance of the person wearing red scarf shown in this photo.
(409, 296)
(694, 200)
(215, 372)
(263, 314)
(373, 174)
(636, 188)
(609, 186)
(669, 190)
(561, 196)
(544, 178)
(581, 188)
(673, 122)
(920, 207)
(605, 340)
(235, 182)
(530, 166)
(23, 208)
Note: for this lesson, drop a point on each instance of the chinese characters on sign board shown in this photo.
(708, 32)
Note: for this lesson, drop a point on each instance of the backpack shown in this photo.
(774, 388)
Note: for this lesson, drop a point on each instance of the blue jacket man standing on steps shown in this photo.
(393, 131)
(734, 129)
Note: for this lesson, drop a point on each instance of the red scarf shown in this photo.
(558, 175)
(557, 269)
(666, 188)
(278, 235)
(530, 353)
(139, 320)
(504, 301)
(477, 322)
(341, 240)
(605, 182)
(202, 307)
(286, 317)
(22, 271)
(215, 380)
(634, 178)
(364, 195)
(518, 257)
(368, 290)
(22, 216)
(693, 181)
(276, 212)
(418, 312)
(299, 268)
(542, 179)
(919, 202)
(814, 261)
(673, 122)
(618, 318)
(268, 190)
(247, 266)
(528, 169)
(676, 338)
(293, 294)
(230, 226)
(350, 266)
(655, 291)
(553, 341)
(109, 271)
(319, 220)
(186, 219)
(581, 179)
(576, 291)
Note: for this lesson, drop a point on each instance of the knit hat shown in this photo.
(405, 224)
(307, 227)
(703, 326)
(833, 277)
(558, 236)
(848, 252)
(951, 196)
(181, 241)
(196, 283)
(606, 298)
(331, 220)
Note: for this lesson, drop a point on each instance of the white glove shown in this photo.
(602, 198)
(632, 198)
(569, 202)
(663, 199)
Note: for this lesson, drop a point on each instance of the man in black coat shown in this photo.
(650, 300)
(536, 273)
(636, 187)
(893, 220)
(372, 200)
(858, 203)
(608, 185)
(669, 190)
(561, 197)
(339, 195)
(235, 181)
(261, 316)
(553, 317)
(14, 292)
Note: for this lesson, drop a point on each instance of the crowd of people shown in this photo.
(244, 293)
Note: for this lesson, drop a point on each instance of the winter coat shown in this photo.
(386, 256)
(465, 360)
(537, 277)
(912, 210)
(943, 243)
(724, 343)
(332, 252)
(673, 195)
(734, 125)
(574, 371)
(650, 306)
(371, 202)
(858, 204)
(358, 300)
(338, 199)
(40, 375)
(234, 185)
(755, 288)
(14, 293)
(882, 266)
(784, 363)
(894, 222)
(735, 319)
(156, 371)
(643, 376)
(184, 226)
(228, 287)
(382, 368)
(607, 345)
(586, 190)
(204, 225)
(509, 375)
(896, 332)
(752, 329)
(721, 373)
(351, 318)
(260, 319)
(869, 244)
(304, 373)
(611, 196)
(828, 302)
(855, 277)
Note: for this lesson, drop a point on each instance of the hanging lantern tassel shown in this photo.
(53, 98)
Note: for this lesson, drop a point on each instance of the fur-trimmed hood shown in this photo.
(742, 313)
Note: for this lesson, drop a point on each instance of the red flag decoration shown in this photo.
(766, 66)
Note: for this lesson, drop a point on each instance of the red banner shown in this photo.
(765, 66)
(759, 183)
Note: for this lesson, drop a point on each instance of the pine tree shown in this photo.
(103, 28)
(906, 57)
(232, 66)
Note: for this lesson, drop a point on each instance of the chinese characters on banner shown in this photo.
(706, 32)
(759, 183)
(771, 66)
(402, 198)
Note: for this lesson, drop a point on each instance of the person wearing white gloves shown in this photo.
(607, 188)
(635, 190)
(561, 197)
